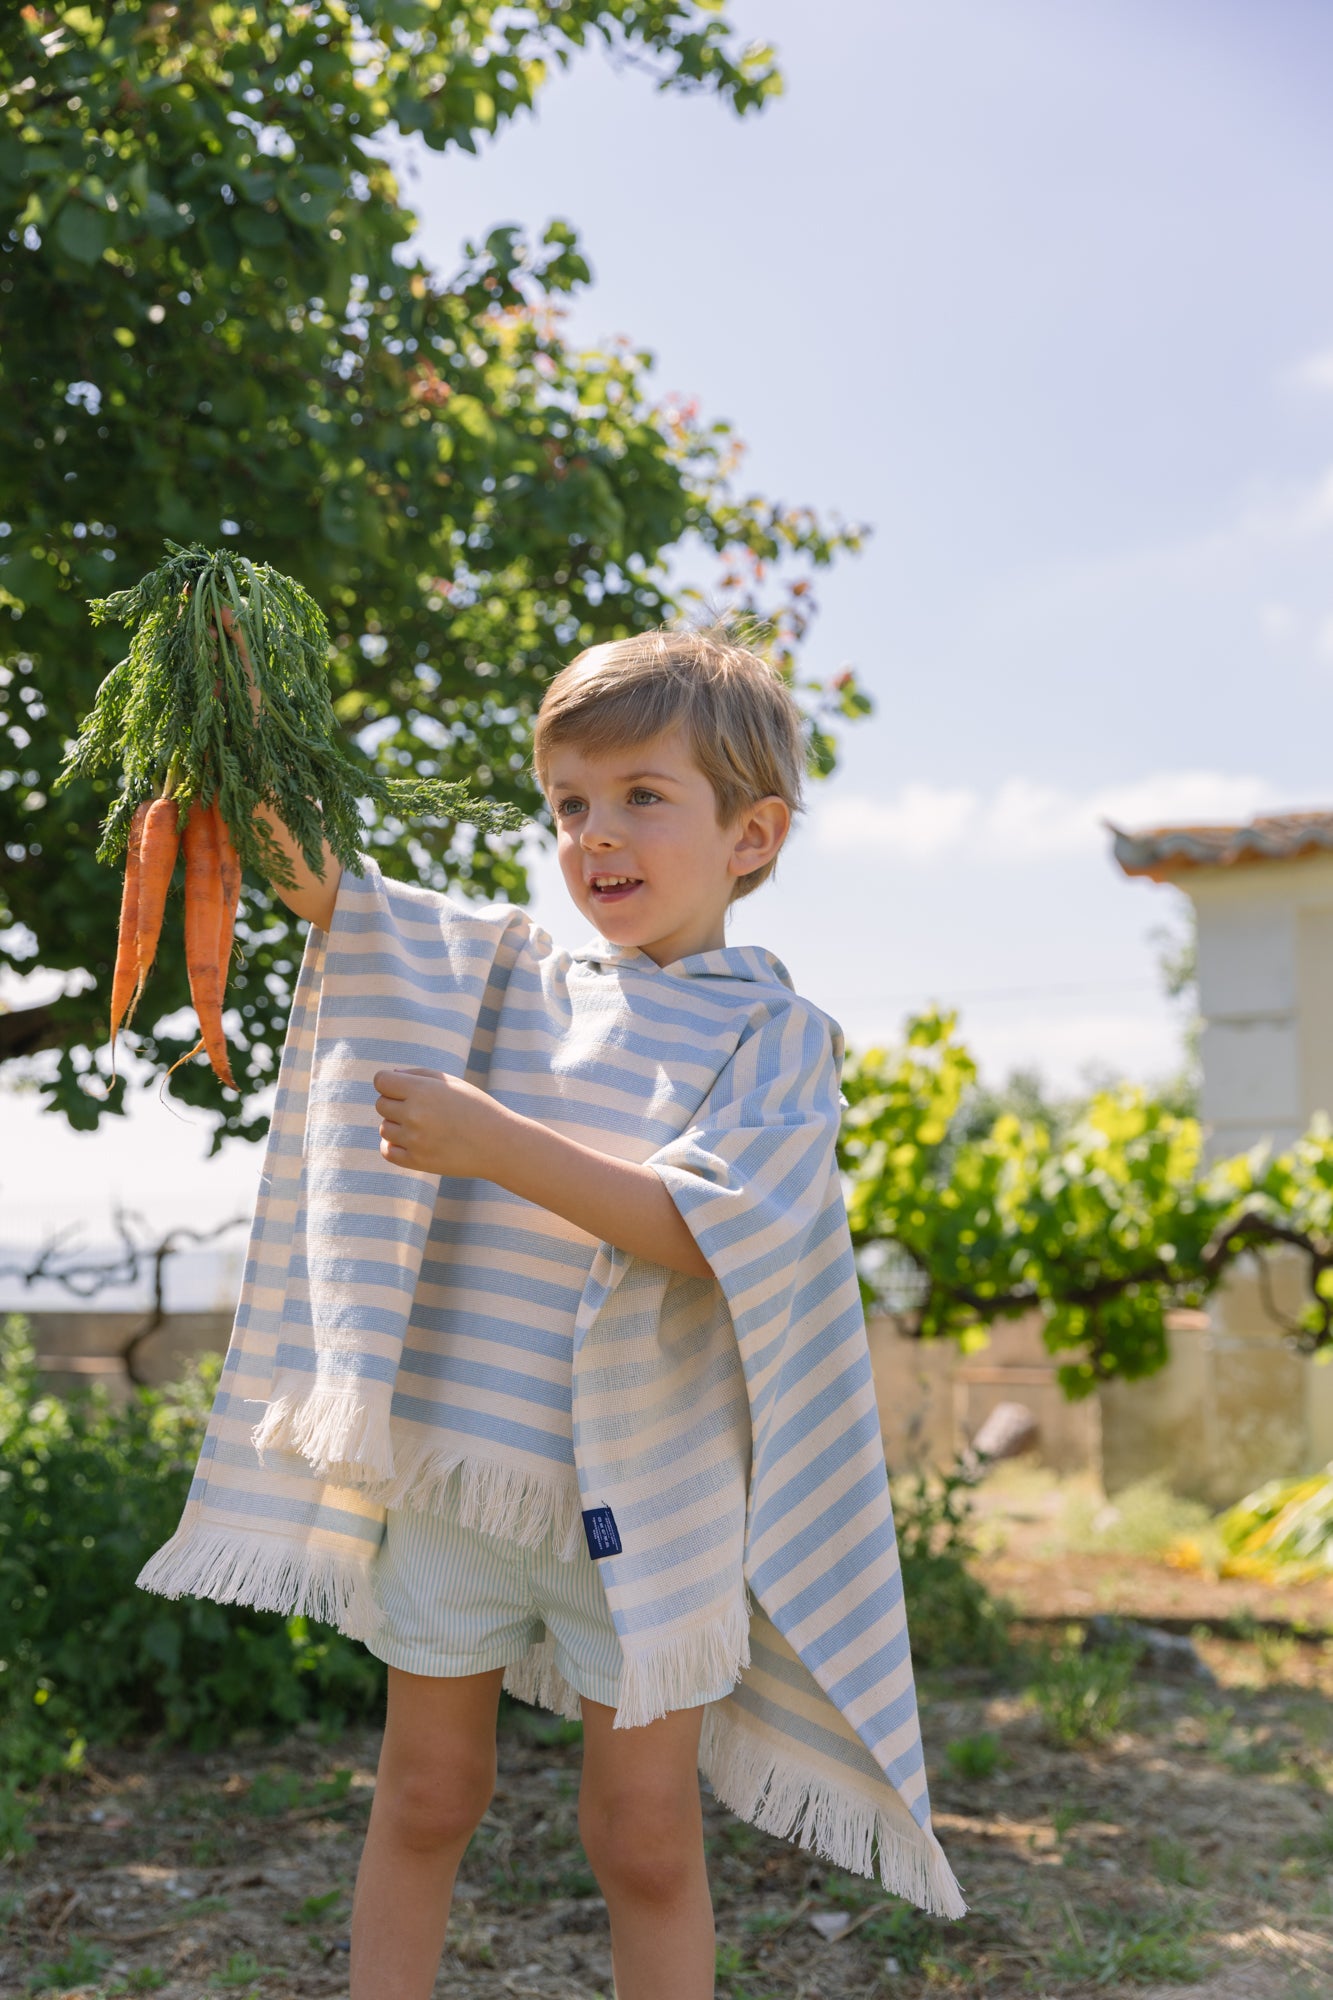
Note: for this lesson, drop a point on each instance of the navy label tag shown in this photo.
(599, 1526)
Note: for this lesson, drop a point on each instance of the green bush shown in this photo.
(87, 1491)
(952, 1618)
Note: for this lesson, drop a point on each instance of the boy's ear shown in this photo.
(761, 830)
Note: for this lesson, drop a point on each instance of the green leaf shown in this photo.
(165, 218)
(257, 226)
(82, 231)
(30, 579)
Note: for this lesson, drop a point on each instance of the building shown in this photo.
(1236, 1405)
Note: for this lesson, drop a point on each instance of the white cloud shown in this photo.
(1315, 372)
(1025, 821)
(923, 820)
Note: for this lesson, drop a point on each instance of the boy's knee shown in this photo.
(435, 1806)
(642, 1845)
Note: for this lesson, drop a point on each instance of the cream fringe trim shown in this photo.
(265, 1572)
(537, 1679)
(352, 1444)
(777, 1794)
(342, 1437)
(703, 1664)
(507, 1501)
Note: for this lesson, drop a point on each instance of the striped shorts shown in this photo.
(454, 1601)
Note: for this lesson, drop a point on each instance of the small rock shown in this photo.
(831, 1924)
(1010, 1429)
(1163, 1652)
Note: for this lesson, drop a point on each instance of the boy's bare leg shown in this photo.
(436, 1777)
(642, 1825)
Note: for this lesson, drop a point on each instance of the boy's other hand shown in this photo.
(436, 1124)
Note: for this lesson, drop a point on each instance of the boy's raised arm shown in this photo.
(312, 895)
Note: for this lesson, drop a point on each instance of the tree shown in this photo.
(213, 327)
(1103, 1223)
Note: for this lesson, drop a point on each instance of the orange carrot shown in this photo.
(203, 932)
(125, 978)
(230, 866)
(157, 860)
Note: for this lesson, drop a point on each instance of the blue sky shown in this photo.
(1044, 295)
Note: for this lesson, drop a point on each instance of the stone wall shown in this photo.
(933, 1399)
(76, 1349)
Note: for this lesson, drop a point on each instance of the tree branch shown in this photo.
(25, 1030)
(86, 1279)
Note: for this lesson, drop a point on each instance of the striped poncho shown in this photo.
(397, 1331)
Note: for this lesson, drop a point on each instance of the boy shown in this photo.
(593, 1284)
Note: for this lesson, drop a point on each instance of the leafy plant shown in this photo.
(1102, 1222)
(1284, 1530)
(1083, 1696)
(953, 1619)
(87, 1492)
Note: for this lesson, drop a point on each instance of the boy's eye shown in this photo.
(642, 792)
(567, 806)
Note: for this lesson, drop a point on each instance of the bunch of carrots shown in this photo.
(212, 894)
(220, 717)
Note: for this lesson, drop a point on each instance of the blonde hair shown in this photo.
(740, 720)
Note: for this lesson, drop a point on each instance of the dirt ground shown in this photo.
(1188, 1851)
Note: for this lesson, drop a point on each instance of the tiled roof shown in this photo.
(1164, 851)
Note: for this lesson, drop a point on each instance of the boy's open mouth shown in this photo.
(613, 888)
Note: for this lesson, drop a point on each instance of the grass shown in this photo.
(80, 1964)
(276, 1792)
(315, 1909)
(1316, 1847)
(1083, 1697)
(1145, 1519)
(734, 1972)
(1111, 1947)
(974, 1756)
(1173, 1862)
(241, 1969)
(904, 1934)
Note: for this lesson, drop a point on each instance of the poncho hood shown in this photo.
(729, 1423)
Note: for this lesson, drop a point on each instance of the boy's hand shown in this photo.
(437, 1124)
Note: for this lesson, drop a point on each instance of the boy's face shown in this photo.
(641, 849)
